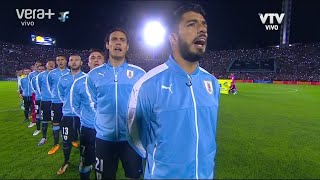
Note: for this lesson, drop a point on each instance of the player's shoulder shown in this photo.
(99, 72)
(207, 75)
(80, 75)
(96, 70)
(25, 80)
(65, 77)
(53, 72)
(204, 72)
(34, 78)
(136, 68)
(152, 76)
(43, 73)
(81, 79)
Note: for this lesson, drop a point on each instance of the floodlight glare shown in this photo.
(153, 33)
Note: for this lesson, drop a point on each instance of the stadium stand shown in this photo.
(296, 63)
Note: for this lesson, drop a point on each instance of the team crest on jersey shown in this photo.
(129, 74)
(208, 85)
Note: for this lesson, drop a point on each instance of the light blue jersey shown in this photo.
(25, 87)
(34, 87)
(64, 86)
(109, 90)
(30, 77)
(53, 78)
(43, 86)
(172, 122)
(80, 104)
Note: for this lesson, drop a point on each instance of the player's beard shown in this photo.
(75, 68)
(118, 58)
(62, 66)
(186, 52)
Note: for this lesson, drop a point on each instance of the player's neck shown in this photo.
(187, 66)
(61, 68)
(116, 63)
(75, 72)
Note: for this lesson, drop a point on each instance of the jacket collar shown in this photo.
(123, 65)
(65, 71)
(77, 75)
(177, 68)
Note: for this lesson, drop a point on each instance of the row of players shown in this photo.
(167, 116)
(60, 98)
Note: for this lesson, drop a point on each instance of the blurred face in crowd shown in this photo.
(37, 64)
(19, 72)
(95, 59)
(32, 67)
(75, 62)
(191, 38)
(41, 68)
(50, 65)
(61, 62)
(117, 45)
(26, 71)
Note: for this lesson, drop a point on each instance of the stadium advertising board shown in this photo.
(263, 81)
(225, 85)
(43, 40)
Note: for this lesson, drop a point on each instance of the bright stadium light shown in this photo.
(154, 33)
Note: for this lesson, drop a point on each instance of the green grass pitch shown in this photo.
(266, 131)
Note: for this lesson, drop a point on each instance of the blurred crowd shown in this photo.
(299, 62)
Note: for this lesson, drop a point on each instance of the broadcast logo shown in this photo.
(271, 26)
(28, 16)
(63, 16)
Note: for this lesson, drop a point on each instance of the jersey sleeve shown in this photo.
(61, 91)
(139, 115)
(91, 91)
(75, 100)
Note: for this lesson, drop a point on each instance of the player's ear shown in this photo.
(107, 45)
(173, 38)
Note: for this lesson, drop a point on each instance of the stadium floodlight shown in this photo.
(154, 33)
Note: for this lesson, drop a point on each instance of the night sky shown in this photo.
(232, 24)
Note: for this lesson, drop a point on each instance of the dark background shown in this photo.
(232, 23)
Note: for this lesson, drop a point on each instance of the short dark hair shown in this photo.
(95, 50)
(75, 55)
(114, 30)
(181, 10)
(106, 40)
(61, 56)
(50, 60)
